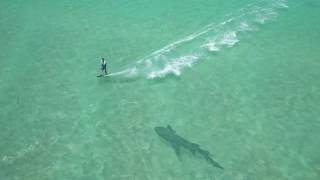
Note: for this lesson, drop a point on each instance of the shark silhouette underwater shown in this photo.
(177, 142)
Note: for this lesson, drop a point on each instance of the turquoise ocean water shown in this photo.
(239, 78)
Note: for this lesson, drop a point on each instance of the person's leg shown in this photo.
(105, 69)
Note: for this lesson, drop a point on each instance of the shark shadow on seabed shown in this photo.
(177, 142)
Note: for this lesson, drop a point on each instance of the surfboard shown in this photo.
(103, 75)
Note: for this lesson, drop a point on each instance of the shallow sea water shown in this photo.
(239, 78)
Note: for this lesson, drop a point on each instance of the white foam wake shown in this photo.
(214, 37)
(173, 67)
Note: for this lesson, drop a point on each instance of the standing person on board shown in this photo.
(104, 66)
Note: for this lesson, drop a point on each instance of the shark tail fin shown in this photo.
(207, 155)
(214, 163)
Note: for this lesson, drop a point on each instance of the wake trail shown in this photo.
(126, 73)
(214, 37)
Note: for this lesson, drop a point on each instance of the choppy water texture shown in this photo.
(239, 78)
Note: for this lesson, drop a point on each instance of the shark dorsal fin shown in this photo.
(169, 127)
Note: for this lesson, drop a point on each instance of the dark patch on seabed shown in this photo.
(177, 142)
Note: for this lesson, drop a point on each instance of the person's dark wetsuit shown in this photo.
(104, 66)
